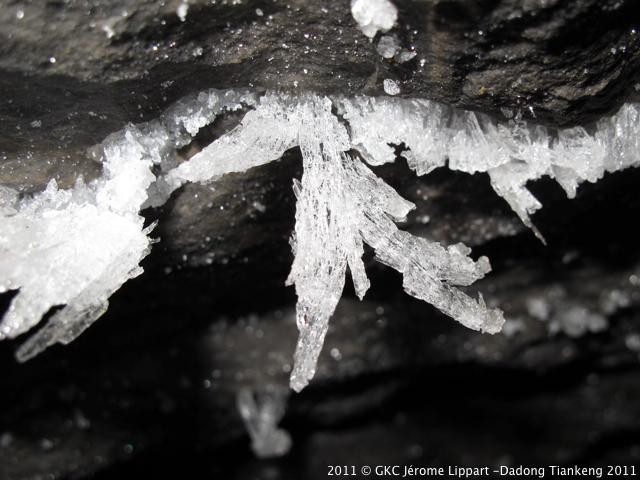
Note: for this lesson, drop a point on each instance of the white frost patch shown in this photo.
(374, 15)
(391, 87)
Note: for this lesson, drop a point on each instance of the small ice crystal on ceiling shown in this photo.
(374, 15)
(388, 46)
(391, 87)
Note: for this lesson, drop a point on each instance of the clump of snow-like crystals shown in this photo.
(374, 15)
(65, 248)
(388, 46)
(74, 248)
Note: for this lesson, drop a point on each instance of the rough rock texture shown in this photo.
(151, 388)
(84, 69)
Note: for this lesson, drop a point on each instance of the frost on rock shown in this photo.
(341, 204)
(261, 413)
(263, 136)
(74, 248)
(391, 86)
(388, 46)
(70, 248)
(512, 153)
(178, 125)
(374, 15)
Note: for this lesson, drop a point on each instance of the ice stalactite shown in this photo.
(341, 203)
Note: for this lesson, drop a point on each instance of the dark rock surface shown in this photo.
(84, 69)
(150, 389)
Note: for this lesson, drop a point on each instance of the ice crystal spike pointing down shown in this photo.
(340, 205)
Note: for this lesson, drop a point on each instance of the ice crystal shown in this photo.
(68, 248)
(341, 203)
(391, 86)
(512, 153)
(388, 46)
(75, 248)
(374, 15)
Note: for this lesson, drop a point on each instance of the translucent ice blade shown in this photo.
(429, 273)
(63, 327)
(326, 238)
(263, 136)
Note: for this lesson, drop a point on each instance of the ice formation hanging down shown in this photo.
(76, 247)
(341, 203)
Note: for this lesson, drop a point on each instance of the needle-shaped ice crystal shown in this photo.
(340, 205)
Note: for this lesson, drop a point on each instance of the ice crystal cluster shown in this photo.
(340, 205)
(75, 248)
(512, 153)
(374, 15)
